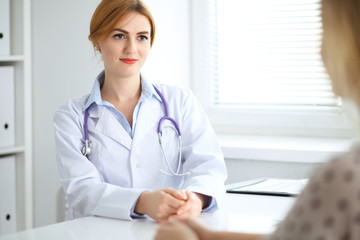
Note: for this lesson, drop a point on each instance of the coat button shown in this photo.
(138, 165)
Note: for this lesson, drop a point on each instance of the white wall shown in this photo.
(169, 59)
(64, 66)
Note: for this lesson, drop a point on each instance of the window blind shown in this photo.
(268, 54)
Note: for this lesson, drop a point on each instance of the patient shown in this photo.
(329, 206)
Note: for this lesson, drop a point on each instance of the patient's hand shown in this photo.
(175, 230)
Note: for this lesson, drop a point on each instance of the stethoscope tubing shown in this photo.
(87, 148)
(166, 116)
(86, 129)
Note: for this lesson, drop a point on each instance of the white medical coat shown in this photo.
(109, 181)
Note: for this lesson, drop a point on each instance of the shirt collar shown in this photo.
(147, 91)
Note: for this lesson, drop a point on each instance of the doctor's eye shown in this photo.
(119, 36)
(143, 37)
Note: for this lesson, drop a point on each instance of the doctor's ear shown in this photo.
(97, 47)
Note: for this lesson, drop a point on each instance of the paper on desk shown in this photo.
(271, 185)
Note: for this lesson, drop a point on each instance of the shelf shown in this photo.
(19, 57)
(11, 58)
(12, 150)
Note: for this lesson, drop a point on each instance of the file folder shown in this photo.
(269, 186)
(7, 107)
(4, 27)
(7, 195)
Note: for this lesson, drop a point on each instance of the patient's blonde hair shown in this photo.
(341, 46)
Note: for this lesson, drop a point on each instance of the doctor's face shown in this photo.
(125, 50)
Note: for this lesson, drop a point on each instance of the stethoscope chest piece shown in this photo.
(87, 148)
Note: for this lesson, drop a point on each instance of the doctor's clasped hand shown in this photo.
(167, 203)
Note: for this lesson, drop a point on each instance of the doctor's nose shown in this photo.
(130, 47)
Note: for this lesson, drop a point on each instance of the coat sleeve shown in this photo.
(86, 192)
(202, 155)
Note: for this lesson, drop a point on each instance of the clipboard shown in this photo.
(269, 186)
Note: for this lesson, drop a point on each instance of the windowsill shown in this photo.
(282, 149)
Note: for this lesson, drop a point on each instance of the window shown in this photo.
(257, 68)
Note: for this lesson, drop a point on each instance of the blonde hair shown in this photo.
(108, 13)
(341, 46)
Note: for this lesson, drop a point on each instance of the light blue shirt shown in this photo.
(147, 91)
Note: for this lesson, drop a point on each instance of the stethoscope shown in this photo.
(87, 148)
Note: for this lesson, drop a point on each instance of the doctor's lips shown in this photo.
(129, 60)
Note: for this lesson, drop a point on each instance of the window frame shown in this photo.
(228, 119)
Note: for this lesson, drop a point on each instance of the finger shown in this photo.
(173, 202)
(166, 210)
(179, 194)
(184, 194)
(185, 207)
(188, 204)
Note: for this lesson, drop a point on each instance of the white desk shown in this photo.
(240, 212)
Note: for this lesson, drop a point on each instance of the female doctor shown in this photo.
(131, 149)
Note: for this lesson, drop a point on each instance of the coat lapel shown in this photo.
(148, 118)
(110, 126)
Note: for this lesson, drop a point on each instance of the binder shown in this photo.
(7, 106)
(4, 27)
(269, 186)
(7, 195)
